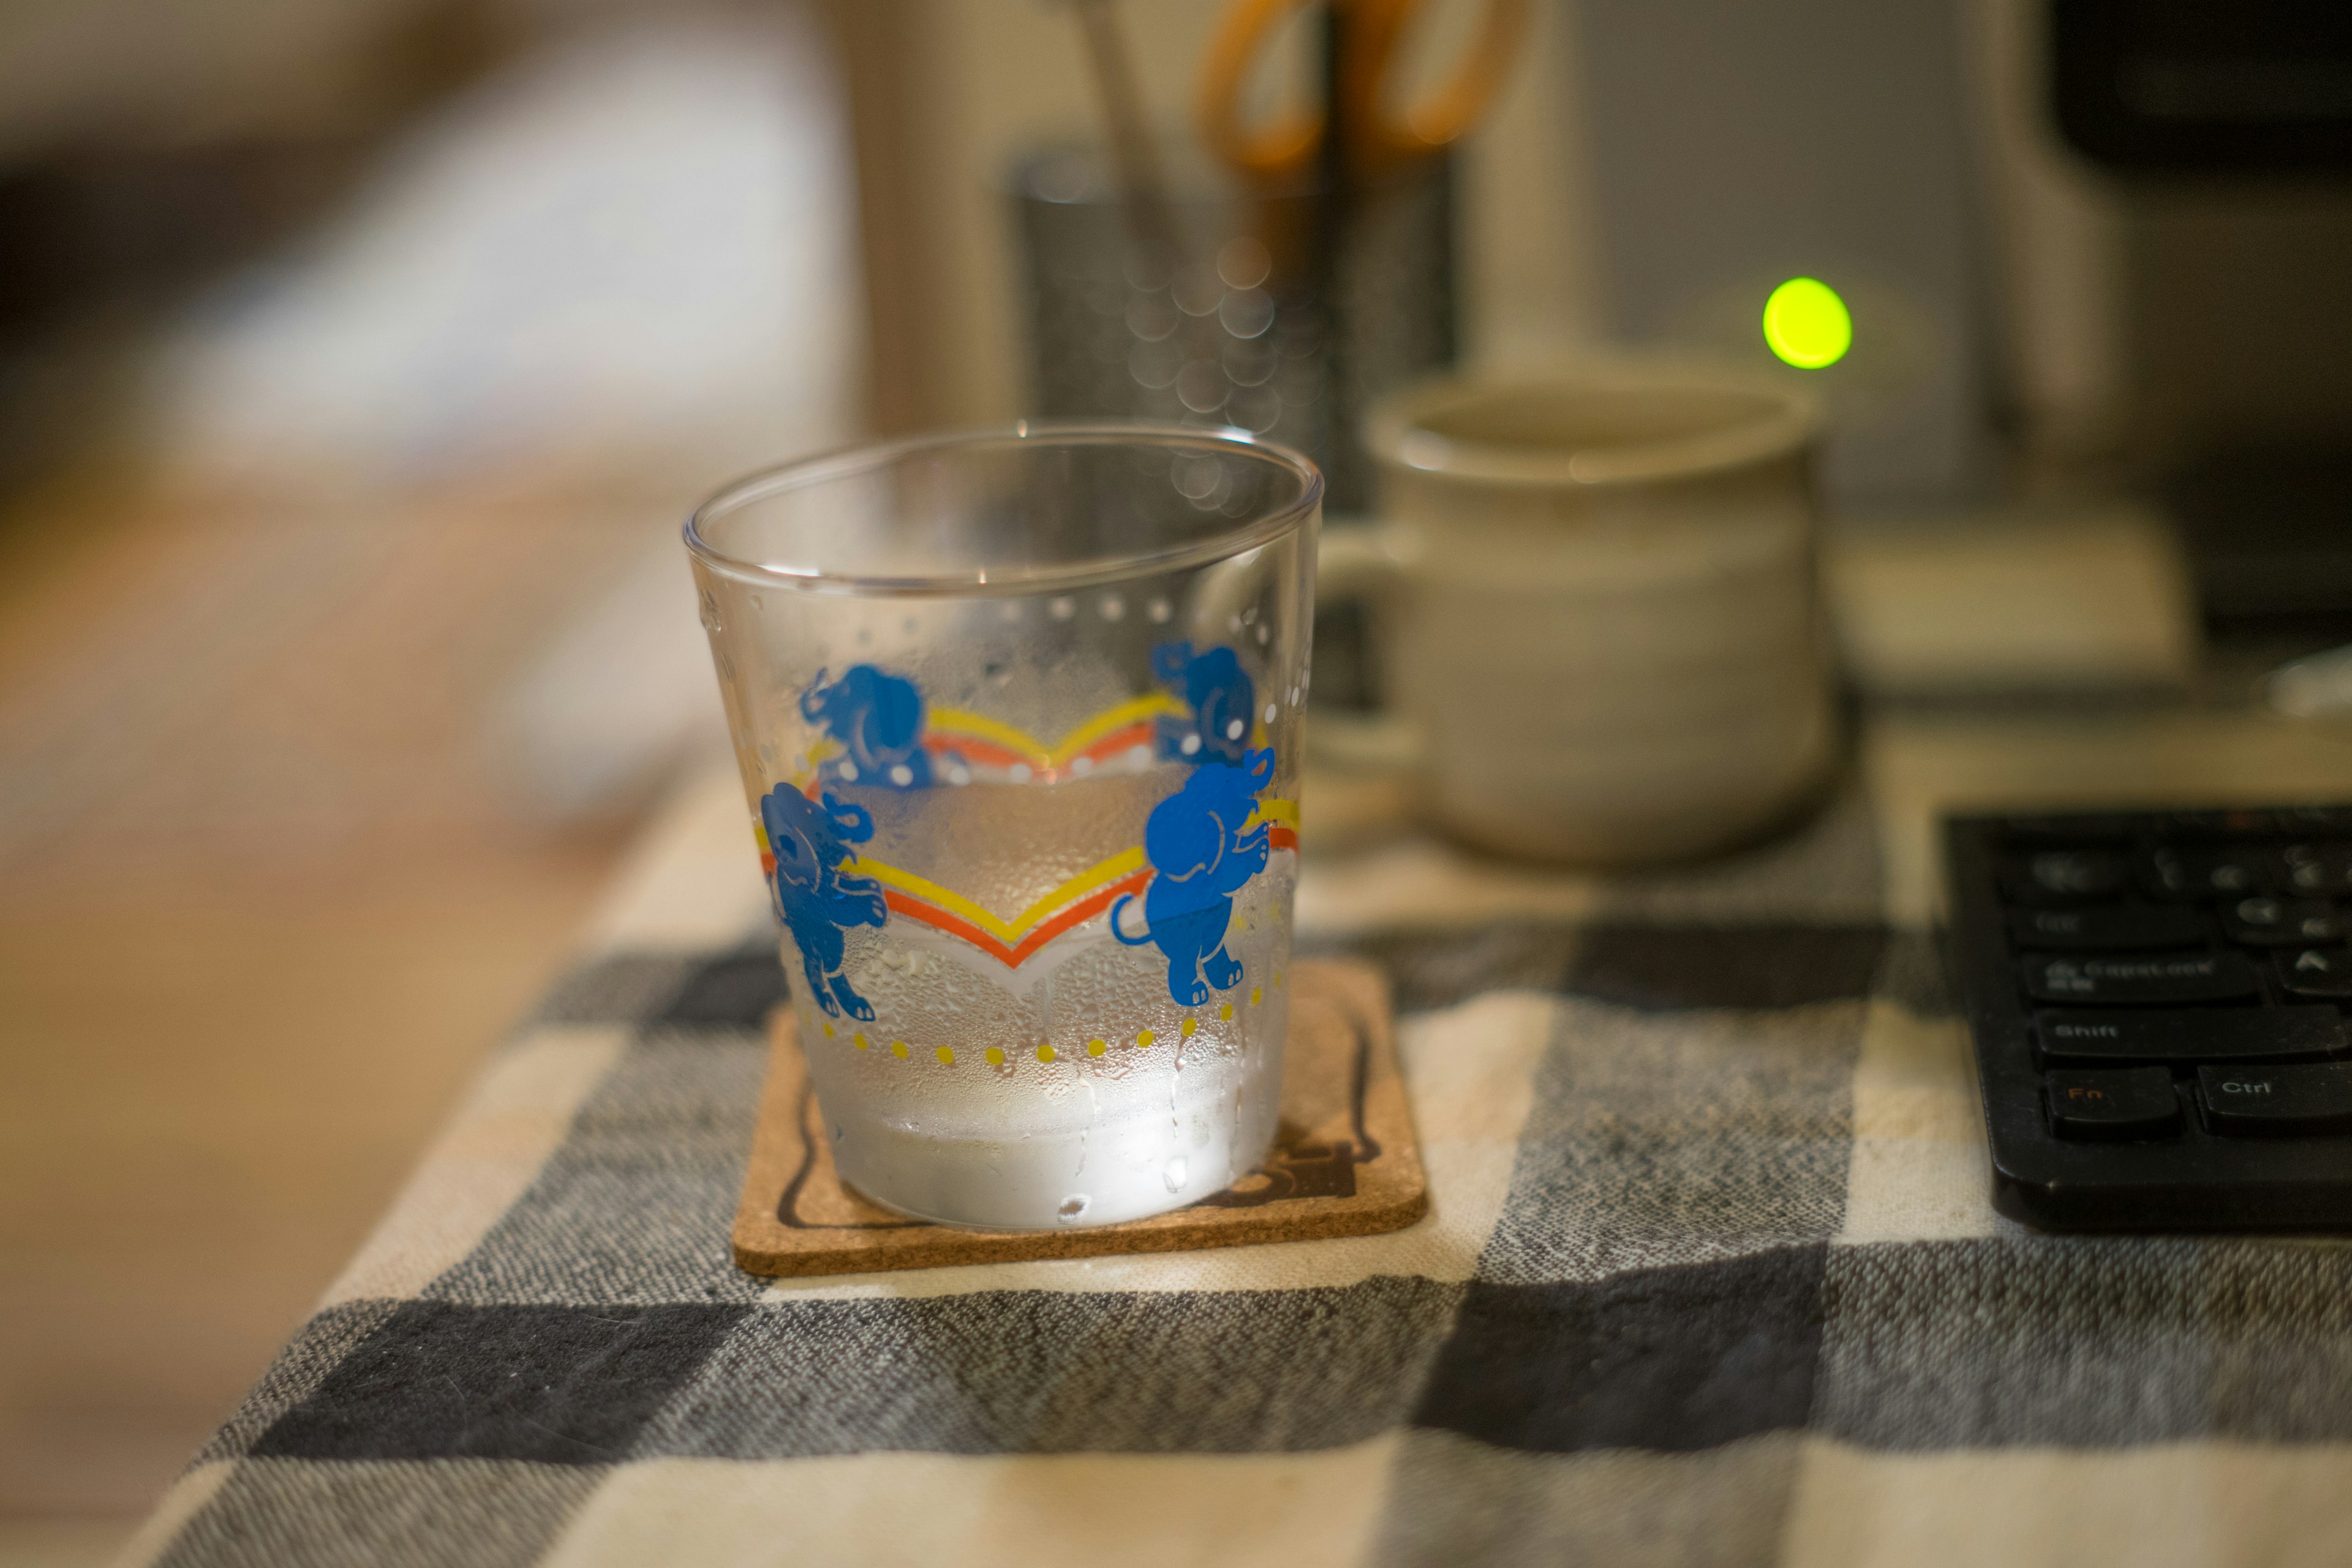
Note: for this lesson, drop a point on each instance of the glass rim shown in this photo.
(989, 582)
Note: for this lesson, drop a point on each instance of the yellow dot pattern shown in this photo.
(1144, 1039)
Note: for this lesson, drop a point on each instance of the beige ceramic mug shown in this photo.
(1595, 610)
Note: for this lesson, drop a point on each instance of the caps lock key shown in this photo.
(2139, 981)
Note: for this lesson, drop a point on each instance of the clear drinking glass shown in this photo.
(1018, 715)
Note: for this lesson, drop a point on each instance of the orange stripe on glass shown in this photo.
(1111, 730)
(1013, 954)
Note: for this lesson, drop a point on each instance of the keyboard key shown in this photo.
(2321, 972)
(2190, 874)
(2063, 877)
(2186, 1036)
(2133, 1103)
(2317, 868)
(2140, 980)
(2100, 828)
(2238, 822)
(2282, 923)
(2121, 927)
(2285, 1101)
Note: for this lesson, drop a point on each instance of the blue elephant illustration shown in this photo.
(878, 720)
(817, 901)
(1219, 691)
(1200, 858)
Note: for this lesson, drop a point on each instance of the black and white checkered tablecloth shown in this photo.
(1711, 1279)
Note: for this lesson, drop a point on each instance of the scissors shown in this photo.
(1374, 138)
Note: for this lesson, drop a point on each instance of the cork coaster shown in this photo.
(1344, 1161)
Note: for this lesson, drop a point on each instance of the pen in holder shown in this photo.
(1242, 329)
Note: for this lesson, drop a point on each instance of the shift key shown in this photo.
(2140, 980)
(2115, 1036)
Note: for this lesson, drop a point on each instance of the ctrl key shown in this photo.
(2132, 1102)
(2279, 1101)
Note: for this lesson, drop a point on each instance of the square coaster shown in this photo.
(1344, 1161)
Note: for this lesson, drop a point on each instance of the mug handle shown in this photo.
(1360, 560)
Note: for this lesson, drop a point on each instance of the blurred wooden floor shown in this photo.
(261, 911)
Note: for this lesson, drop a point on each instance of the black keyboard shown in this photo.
(2159, 1006)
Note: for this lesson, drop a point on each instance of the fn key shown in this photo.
(2135, 1103)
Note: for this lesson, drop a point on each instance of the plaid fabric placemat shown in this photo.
(1710, 1277)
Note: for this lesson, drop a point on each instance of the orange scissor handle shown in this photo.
(1378, 139)
(1383, 136)
(1271, 152)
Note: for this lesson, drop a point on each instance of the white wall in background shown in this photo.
(635, 241)
(2058, 236)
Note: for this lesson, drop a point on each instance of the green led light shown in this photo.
(1806, 323)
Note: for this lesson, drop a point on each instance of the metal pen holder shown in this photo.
(1281, 316)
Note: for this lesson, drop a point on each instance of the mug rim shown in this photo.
(1396, 436)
